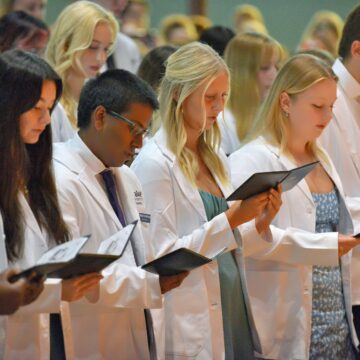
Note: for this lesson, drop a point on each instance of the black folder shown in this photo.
(263, 181)
(79, 263)
(178, 261)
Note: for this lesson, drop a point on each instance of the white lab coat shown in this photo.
(229, 139)
(27, 331)
(341, 139)
(126, 54)
(279, 271)
(193, 327)
(114, 326)
(61, 127)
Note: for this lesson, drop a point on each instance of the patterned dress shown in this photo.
(330, 333)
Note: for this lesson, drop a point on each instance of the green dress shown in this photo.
(237, 334)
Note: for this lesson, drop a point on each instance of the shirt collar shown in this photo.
(346, 80)
(94, 163)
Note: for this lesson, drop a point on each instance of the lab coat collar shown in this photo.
(350, 86)
(288, 165)
(75, 156)
(190, 193)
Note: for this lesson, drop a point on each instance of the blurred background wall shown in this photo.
(285, 19)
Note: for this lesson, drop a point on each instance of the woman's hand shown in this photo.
(243, 211)
(264, 220)
(19, 293)
(168, 283)
(75, 288)
(346, 243)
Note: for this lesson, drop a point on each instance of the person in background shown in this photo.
(185, 183)
(177, 30)
(126, 53)
(322, 54)
(20, 30)
(217, 37)
(323, 32)
(135, 22)
(114, 112)
(35, 8)
(82, 38)
(201, 23)
(253, 59)
(299, 280)
(249, 18)
(33, 223)
(341, 137)
(152, 70)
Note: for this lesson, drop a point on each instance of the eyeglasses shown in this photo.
(135, 128)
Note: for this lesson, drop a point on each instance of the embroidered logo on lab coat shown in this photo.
(138, 198)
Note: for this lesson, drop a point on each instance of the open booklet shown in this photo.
(263, 181)
(64, 261)
(178, 261)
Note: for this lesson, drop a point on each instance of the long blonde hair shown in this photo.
(326, 26)
(244, 55)
(72, 34)
(190, 67)
(297, 75)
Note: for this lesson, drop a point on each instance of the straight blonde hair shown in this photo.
(298, 74)
(244, 55)
(72, 34)
(190, 67)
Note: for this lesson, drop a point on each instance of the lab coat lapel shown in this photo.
(29, 217)
(66, 155)
(98, 193)
(289, 165)
(349, 130)
(191, 193)
(127, 196)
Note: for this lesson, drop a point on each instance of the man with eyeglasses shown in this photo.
(98, 196)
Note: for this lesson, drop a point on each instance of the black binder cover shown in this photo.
(263, 181)
(176, 262)
(79, 265)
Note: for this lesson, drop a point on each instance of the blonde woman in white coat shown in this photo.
(32, 220)
(181, 173)
(299, 281)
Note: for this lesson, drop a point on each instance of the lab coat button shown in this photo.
(309, 210)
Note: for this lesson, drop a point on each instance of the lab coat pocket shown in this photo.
(186, 318)
(276, 300)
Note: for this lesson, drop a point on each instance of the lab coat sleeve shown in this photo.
(48, 301)
(162, 198)
(290, 245)
(123, 285)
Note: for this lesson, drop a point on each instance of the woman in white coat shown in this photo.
(299, 281)
(185, 180)
(82, 38)
(253, 59)
(29, 89)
